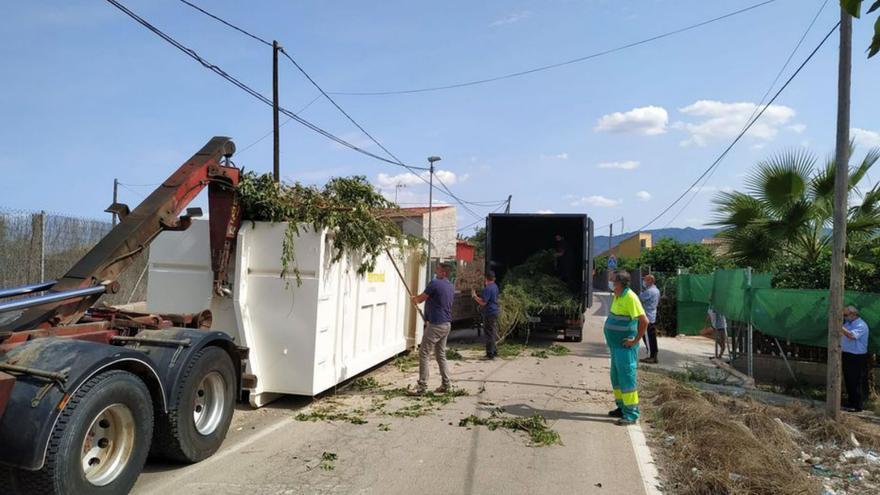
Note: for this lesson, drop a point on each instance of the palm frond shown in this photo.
(736, 209)
(782, 179)
(858, 172)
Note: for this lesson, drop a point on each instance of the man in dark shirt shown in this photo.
(438, 313)
(488, 301)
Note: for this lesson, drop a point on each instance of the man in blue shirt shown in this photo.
(438, 315)
(488, 301)
(650, 298)
(854, 344)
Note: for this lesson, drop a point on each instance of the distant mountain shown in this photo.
(687, 235)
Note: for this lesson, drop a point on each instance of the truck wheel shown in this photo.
(194, 430)
(100, 441)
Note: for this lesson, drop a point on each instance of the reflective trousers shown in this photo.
(624, 364)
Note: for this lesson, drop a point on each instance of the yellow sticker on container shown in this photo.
(375, 277)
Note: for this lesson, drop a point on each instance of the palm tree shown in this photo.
(787, 208)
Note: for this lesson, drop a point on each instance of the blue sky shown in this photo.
(89, 95)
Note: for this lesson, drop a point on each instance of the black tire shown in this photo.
(62, 472)
(177, 435)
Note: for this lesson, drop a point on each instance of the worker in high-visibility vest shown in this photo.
(624, 328)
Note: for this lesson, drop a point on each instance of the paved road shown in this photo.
(268, 452)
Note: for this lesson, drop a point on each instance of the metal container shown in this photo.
(303, 339)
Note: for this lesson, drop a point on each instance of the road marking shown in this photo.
(644, 459)
(167, 487)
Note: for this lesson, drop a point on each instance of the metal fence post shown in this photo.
(750, 339)
(42, 245)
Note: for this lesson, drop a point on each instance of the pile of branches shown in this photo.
(531, 289)
(349, 207)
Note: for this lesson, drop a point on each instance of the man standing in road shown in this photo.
(488, 301)
(650, 298)
(438, 313)
(854, 344)
(624, 328)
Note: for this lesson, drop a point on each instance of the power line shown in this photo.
(558, 64)
(743, 132)
(445, 189)
(800, 42)
(244, 87)
(301, 110)
(240, 30)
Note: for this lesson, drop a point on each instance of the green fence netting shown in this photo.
(694, 292)
(801, 316)
(795, 315)
(730, 291)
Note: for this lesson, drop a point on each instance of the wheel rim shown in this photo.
(108, 445)
(209, 403)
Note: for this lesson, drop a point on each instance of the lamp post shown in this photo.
(431, 160)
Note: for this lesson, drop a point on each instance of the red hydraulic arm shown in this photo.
(136, 229)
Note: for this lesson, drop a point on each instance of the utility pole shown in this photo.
(610, 236)
(397, 187)
(276, 153)
(841, 182)
(115, 192)
(509, 198)
(431, 160)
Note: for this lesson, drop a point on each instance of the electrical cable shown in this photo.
(555, 65)
(244, 87)
(741, 134)
(791, 55)
(445, 189)
(301, 110)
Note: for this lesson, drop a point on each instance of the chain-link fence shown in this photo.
(37, 246)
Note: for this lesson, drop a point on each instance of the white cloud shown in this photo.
(546, 212)
(648, 120)
(797, 128)
(627, 165)
(865, 138)
(386, 181)
(511, 18)
(720, 120)
(557, 156)
(597, 201)
(758, 146)
(643, 195)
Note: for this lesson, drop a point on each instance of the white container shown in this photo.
(303, 339)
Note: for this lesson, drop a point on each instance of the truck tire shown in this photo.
(100, 441)
(194, 430)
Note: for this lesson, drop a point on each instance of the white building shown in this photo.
(414, 221)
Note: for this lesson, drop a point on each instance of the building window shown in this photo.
(643, 243)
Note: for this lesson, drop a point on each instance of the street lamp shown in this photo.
(431, 160)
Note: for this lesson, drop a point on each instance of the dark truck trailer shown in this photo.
(511, 238)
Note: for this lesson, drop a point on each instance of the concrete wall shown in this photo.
(444, 228)
(443, 233)
(770, 369)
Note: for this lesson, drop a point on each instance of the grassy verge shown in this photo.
(706, 443)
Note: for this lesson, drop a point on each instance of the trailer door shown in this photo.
(588, 263)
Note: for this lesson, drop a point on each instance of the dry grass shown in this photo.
(718, 450)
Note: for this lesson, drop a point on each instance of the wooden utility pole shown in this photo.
(841, 189)
(276, 155)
